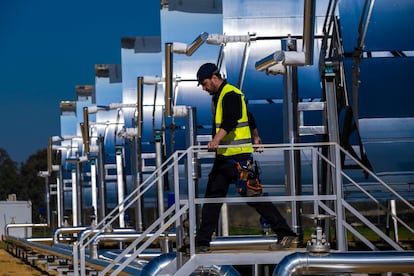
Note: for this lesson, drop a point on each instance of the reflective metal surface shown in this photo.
(377, 77)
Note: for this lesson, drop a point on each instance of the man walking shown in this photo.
(231, 126)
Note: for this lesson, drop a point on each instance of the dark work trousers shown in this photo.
(221, 176)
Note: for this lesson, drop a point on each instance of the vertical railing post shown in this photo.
(178, 226)
(82, 257)
(60, 198)
(315, 184)
(191, 199)
(290, 136)
(75, 259)
(160, 182)
(340, 235)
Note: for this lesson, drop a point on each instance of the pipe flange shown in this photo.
(318, 248)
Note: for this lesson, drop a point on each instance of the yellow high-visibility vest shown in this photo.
(240, 135)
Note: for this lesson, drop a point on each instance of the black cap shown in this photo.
(206, 71)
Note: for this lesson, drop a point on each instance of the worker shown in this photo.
(231, 127)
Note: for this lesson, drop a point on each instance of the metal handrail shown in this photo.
(370, 196)
(132, 246)
(383, 184)
(184, 205)
(128, 201)
(376, 178)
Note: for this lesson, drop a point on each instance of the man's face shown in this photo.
(209, 86)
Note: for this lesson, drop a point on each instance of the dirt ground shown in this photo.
(11, 266)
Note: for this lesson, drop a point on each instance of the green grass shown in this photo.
(404, 235)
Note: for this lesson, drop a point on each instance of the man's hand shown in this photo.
(257, 140)
(212, 145)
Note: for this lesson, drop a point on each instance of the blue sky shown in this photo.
(46, 49)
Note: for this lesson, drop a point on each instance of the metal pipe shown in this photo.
(44, 240)
(361, 38)
(60, 198)
(157, 264)
(111, 237)
(224, 270)
(74, 197)
(308, 30)
(168, 79)
(243, 65)
(237, 242)
(86, 231)
(191, 138)
(116, 237)
(94, 196)
(120, 237)
(47, 198)
(49, 155)
(138, 177)
(67, 230)
(101, 178)
(395, 222)
(125, 235)
(38, 247)
(224, 220)
(266, 62)
(291, 136)
(346, 262)
(139, 120)
(85, 130)
(160, 182)
(22, 225)
(120, 188)
(196, 43)
(45, 175)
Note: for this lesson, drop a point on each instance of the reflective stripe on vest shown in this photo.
(240, 135)
(238, 125)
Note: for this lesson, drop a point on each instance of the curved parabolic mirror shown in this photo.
(381, 82)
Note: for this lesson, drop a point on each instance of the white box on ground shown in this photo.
(13, 211)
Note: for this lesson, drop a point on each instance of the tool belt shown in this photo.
(248, 181)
